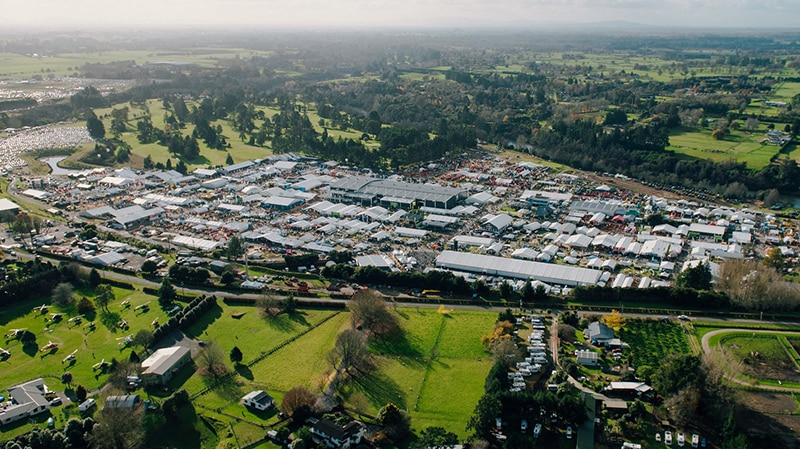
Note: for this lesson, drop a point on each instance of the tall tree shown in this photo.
(94, 278)
(236, 247)
(236, 355)
(143, 338)
(698, 277)
(118, 428)
(211, 361)
(297, 403)
(166, 293)
(63, 294)
(369, 312)
(103, 296)
(94, 125)
(483, 417)
(396, 423)
(351, 354)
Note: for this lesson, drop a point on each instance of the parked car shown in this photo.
(55, 402)
(523, 426)
(537, 429)
(695, 440)
(668, 438)
(569, 432)
(681, 439)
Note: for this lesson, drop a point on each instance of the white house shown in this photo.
(26, 400)
(258, 399)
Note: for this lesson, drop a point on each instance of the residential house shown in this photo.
(26, 400)
(330, 434)
(258, 399)
(598, 333)
(629, 390)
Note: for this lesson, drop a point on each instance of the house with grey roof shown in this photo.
(26, 400)
(598, 333)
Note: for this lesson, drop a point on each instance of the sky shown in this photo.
(371, 14)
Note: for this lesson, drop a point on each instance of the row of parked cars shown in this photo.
(696, 440)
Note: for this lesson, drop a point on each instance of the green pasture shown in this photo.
(17, 66)
(737, 145)
(240, 150)
(652, 341)
(438, 372)
(785, 91)
(25, 364)
(645, 66)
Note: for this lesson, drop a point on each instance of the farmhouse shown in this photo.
(258, 399)
(599, 333)
(26, 400)
(331, 435)
(159, 367)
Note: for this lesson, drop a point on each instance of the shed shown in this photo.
(162, 365)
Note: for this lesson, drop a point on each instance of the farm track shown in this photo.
(707, 349)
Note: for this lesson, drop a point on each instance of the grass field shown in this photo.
(92, 347)
(28, 363)
(652, 341)
(17, 66)
(737, 145)
(767, 358)
(438, 373)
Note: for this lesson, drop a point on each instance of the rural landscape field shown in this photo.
(251, 236)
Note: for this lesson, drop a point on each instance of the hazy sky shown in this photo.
(399, 13)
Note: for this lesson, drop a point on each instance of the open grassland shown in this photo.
(437, 373)
(28, 363)
(646, 67)
(738, 145)
(785, 91)
(17, 66)
(652, 341)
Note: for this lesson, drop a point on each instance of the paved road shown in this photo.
(707, 349)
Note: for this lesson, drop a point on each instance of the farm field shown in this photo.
(737, 145)
(17, 66)
(651, 341)
(439, 373)
(766, 358)
(436, 372)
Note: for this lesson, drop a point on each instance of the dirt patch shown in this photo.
(767, 420)
(759, 367)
